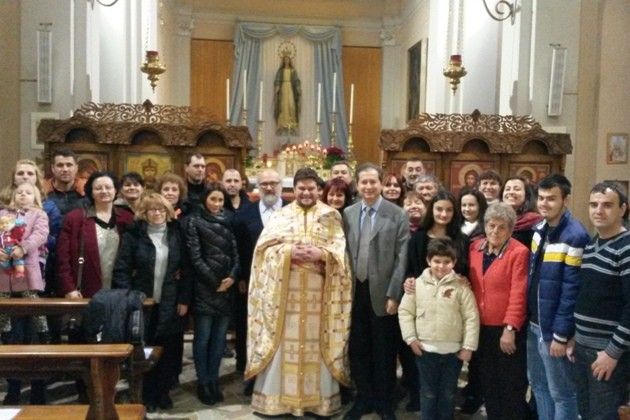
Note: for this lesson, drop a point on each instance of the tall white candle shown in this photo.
(227, 99)
(245, 89)
(260, 102)
(319, 102)
(334, 91)
(351, 102)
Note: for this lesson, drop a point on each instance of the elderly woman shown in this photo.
(498, 274)
(91, 235)
(150, 260)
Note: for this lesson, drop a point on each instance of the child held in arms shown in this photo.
(440, 322)
(21, 275)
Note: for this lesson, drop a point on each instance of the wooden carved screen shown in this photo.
(149, 139)
(458, 146)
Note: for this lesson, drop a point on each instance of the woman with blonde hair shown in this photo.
(150, 260)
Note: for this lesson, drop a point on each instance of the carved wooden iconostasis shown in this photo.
(145, 138)
(457, 147)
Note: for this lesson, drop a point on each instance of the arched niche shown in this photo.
(416, 145)
(535, 147)
(146, 137)
(80, 135)
(478, 146)
(210, 138)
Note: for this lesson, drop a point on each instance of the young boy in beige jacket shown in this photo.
(440, 322)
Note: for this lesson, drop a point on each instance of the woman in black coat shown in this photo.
(150, 260)
(214, 261)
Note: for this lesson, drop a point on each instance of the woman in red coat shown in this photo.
(93, 235)
(498, 274)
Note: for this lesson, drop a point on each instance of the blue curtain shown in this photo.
(327, 50)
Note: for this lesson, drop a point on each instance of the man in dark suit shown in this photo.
(377, 232)
(248, 223)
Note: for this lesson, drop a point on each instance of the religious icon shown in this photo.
(287, 92)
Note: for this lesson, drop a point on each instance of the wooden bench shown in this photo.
(99, 365)
(141, 361)
(71, 412)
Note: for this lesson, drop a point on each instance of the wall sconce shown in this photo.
(500, 14)
(455, 71)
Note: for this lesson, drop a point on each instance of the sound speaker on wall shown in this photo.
(556, 81)
(44, 63)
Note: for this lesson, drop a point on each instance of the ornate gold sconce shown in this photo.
(152, 67)
(455, 71)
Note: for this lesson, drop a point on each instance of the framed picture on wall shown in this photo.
(216, 165)
(466, 174)
(414, 55)
(617, 148)
(89, 162)
(149, 165)
(532, 172)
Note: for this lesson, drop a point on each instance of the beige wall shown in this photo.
(613, 115)
(603, 105)
(9, 85)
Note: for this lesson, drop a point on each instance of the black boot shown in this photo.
(216, 393)
(43, 337)
(204, 395)
(13, 393)
(38, 392)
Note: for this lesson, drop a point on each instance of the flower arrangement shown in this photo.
(333, 154)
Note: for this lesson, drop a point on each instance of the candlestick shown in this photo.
(319, 102)
(260, 104)
(333, 129)
(227, 99)
(351, 102)
(334, 91)
(245, 89)
(318, 133)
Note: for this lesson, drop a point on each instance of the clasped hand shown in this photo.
(301, 253)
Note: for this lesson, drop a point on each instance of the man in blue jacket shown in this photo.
(557, 248)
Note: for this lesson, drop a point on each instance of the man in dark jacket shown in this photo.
(557, 248)
(233, 184)
(248, 223)
(195, 176)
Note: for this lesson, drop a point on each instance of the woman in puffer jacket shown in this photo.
(214, 263)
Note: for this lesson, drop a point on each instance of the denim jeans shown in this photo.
(552, 379)
(208, 346)
(438, 384)
(599, 400)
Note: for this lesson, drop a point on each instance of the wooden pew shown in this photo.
(69, 412)
(99, 364)
(74, 307)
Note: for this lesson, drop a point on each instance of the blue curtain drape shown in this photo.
(327, 50)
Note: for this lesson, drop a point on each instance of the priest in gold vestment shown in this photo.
(300, 294)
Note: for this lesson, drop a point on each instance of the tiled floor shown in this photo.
(186, 404)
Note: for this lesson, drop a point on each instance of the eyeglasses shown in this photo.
(156, 211)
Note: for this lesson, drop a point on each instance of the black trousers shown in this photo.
(373, 348)
(503, 377)
(160, 379)
(240, 329)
